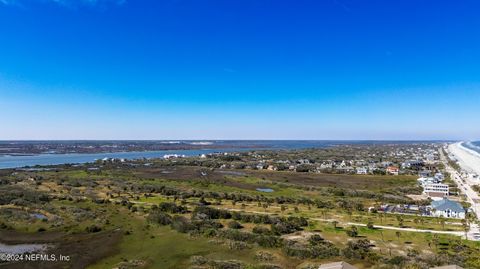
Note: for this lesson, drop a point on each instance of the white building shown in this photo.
(436, 191)
(447, 209)
(439, 177)
(362, 171)
(436, 187)
(427, 180)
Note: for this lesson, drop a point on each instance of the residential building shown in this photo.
(426, 180)
(362, 171)
(439, 177)
(393, 170)
(425, 173)
(436, 187)
(447, 208)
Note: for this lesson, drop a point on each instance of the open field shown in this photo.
(108, 210)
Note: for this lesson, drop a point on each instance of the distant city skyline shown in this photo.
(160, 70)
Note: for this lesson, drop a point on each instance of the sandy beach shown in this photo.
(468, 159)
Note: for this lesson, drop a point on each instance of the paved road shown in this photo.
(465, 186)
(457, 233)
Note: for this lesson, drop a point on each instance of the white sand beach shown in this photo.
(468, 159)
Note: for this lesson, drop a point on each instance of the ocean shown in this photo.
(473, 145)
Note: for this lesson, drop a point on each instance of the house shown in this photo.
(303, 161)
(260, 166)
(439, 177)
(386, 163)
(435, 196)
(272, 168)
(433, 188)
(362, 171)
(412, 164)
(337, 265)
(325, 165)
(430, 158)
(436, 187)
(447, 208)
(392, 170)
(424, 173)
(345, 170)
(426, 180)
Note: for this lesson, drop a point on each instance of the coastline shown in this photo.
(468, 159)
(471, 151)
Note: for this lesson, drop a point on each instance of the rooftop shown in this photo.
(446, 204)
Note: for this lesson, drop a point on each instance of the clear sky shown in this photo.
(239, 69)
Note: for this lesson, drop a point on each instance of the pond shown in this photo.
(265, 190)
(39, 216)
(22, 248)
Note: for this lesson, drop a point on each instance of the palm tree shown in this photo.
(435, 241)
(350, 213)
(324, 213)
(442, 222)
(400, 221)
(466, 227)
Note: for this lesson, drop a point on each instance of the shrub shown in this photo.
(171, 207)
(352, 232)
(158, 217)
(357, 249)
(234, 225)
(93, 229)
(181, 224)
(315, 240)
(261, 230)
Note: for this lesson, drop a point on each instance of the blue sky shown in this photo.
(239, 69)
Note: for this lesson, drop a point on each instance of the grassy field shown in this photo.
(132, 241)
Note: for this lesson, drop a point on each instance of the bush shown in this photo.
(322, 249)
(315, 240)
(234, 225)
(261, 230)
(359, 249)
(237, 245)
(172, 208)
(262, 240)
(158, 217)
(181, 224)
(93, 229)
(211, 213)
(352, 232)
(263, 256)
